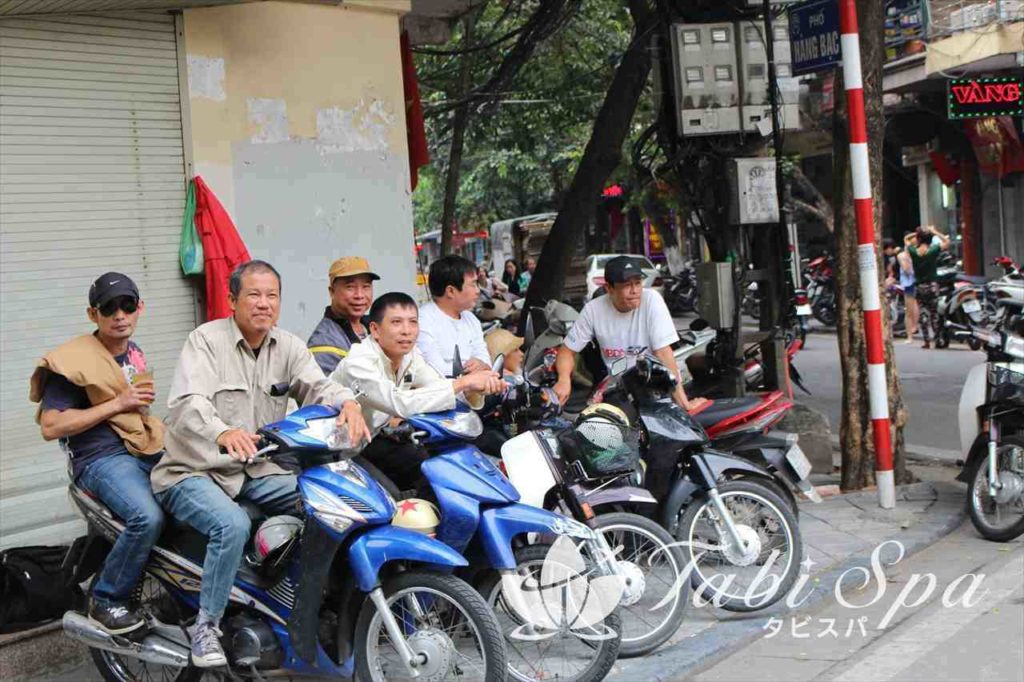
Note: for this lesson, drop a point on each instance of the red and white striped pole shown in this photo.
(867, 257)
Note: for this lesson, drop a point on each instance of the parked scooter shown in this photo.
(482, 516)
(960, 304)
(821, 291)
(681, 293)
(711, 500)
(332, 601)
(1004, 297)
(991, 417)
(546, 467)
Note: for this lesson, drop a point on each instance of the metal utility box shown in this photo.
(758, 115)
(717, 300)
(754, 76)
(706, 77)
(754, 199)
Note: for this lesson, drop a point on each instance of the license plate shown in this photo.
(798, 460)
(971, 306)
(803, 310)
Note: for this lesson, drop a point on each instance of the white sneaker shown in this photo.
(206, 649)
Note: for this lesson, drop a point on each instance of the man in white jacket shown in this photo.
(393, 382)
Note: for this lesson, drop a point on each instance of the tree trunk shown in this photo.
(460, 121)
(602, 154)
(858, 453)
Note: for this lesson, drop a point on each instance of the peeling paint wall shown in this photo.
(298, 126)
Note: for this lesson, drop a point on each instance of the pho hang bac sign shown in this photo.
(977, 97)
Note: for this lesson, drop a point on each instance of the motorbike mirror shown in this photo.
(457, 369)
(498, 366)
(619, 366)
(529, 334)
(699, 325)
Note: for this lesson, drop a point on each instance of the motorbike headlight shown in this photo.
(326, 431)
(330, 509)
(464, 425)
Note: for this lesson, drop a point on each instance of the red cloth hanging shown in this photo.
(223, 249)
(416, 134)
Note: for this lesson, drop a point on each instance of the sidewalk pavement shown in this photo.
(838, 534)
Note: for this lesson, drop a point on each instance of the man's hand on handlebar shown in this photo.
(486, 382)
(239, 444)
(351, 418)
(474, 365)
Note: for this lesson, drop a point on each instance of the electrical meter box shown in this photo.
(717, 301)
(756, 107)
(706, 78)
(752, 190)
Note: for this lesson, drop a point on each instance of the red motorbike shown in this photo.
(821, 290)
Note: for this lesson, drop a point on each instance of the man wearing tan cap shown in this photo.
(344, 323)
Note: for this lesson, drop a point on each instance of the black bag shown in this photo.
(34, 587)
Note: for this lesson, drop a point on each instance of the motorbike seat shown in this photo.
(725, 408)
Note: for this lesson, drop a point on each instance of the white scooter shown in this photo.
(991, 420)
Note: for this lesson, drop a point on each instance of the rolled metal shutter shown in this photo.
(91, 180)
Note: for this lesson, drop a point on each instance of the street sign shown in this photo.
(975, 97)
(814, 36)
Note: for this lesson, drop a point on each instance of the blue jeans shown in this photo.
(121, 481)
(202, 504)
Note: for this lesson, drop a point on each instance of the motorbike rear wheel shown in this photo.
(982, 507)
(116, 667)
(763, 519)
(650, 552)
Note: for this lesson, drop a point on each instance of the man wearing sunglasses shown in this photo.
(95, 393)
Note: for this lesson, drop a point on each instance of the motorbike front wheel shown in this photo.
(732, 579)
(569, 655)
(653, 565)
(446, 624)
(999, 518)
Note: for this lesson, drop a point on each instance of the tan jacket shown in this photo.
(220, 384)
(86, 362)
(416, 388)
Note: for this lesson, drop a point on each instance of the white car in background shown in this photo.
(595, 272)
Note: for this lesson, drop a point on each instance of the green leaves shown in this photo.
(519, 158)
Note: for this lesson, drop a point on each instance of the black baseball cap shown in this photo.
(110, 286)
(622, 269)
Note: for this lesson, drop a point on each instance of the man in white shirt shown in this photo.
(392, 380)
(448, 322)
(629, 321)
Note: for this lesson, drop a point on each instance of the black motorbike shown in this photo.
(681, 293)
(725, 509)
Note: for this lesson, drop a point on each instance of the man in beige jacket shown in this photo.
(394, 382)
(235, 375)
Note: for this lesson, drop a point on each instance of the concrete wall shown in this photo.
(297, 123)
(1012, 221)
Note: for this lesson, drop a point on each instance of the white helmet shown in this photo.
(416, 514)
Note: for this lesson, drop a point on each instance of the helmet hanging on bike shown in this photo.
(273, 543)
(417, 515)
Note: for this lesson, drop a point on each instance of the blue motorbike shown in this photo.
(507, 543)
(349, 595)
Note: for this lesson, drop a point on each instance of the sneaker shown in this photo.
(115, 618)
(206, 649)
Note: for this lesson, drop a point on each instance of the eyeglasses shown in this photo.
(125, 303)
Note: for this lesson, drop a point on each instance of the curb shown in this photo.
(692, 656)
